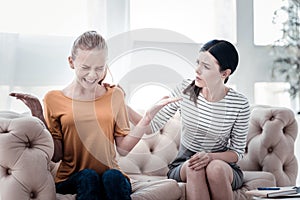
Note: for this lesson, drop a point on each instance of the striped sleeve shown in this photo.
(239, 131)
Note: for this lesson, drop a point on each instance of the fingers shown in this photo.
(199, 161)
(171, 98)
(30, 100)
(175, 99)
(13, 94)
(22, 96)
(166, 100)
(18, 95)
(119, 86)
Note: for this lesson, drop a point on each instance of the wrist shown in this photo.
(145, 121)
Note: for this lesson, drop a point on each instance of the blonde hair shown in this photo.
(88, 41)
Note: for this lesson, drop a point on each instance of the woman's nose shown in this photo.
(198, 69)
(92, 73)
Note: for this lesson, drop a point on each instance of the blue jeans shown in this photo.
(88, 185)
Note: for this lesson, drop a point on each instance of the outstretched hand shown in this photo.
(31, 102)
(151, 112)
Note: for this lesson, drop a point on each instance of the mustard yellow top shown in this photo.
(87, 130)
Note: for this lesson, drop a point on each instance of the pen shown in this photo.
(268, 188)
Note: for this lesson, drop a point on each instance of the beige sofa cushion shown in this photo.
(269, 158)
(26, 148)
(270, 144)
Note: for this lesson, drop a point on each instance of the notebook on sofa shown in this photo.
(274, 191)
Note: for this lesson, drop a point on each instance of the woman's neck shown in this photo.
(78, 92)
(216, 94)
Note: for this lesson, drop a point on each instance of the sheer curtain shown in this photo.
(36, 39)
(200, 20)
(31, 64)
(8, 51)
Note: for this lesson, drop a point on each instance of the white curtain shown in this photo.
(36, 61)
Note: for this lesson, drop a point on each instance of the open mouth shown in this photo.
(90, 81)
(198, 79)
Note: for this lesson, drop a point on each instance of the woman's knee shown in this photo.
(115, 178)
(218, 170)
(116, 185)
(196, 175)
(90, 173)
(88, 185)
(89, 176)
(112, 175)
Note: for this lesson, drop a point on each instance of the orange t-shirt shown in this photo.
(87, 130)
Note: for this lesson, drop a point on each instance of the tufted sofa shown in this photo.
(26, 148)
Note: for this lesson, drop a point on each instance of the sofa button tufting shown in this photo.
(270, 150)
(8, 171)
(32, 195)
(28, 145)
(272, 118)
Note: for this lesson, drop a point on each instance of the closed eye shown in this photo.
(206, 66)
(85, 67)
(99, 68)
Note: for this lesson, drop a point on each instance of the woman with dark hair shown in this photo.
(214, 125)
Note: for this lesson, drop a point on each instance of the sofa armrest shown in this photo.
(26, 148)
(270, 144)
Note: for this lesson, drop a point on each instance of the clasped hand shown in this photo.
(199, 160)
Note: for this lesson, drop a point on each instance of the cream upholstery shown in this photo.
(269, 158)
(270, 146)
(26, 149)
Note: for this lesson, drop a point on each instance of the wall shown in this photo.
(255, 61)
(42, 60)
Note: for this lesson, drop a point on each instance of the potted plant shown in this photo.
(286, 50)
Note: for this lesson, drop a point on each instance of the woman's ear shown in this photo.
(71, 62)
(226, 73)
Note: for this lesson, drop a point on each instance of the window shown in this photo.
(4, 91)
(272, 93)
(146, 95)
(199, 20)
(11, 103)
(265, 32)
(55, 17)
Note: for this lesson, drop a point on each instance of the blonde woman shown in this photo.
(87, 119)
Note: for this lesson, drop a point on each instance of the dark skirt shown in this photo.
(184, 154)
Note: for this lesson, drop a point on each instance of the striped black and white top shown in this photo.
(209, 126)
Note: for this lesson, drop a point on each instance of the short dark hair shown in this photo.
(227, 57)
(224, 52)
